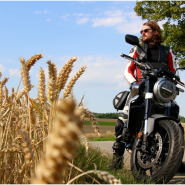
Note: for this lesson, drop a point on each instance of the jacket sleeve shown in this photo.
(130, 68)
(172, 63)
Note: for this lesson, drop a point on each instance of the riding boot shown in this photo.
(125, 133)
(118, 151)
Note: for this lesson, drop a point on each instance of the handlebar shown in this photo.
(145, 66)
(180, 83)
(135, 61)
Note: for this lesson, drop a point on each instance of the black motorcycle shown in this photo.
(156, 140)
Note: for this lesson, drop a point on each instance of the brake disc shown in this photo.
(146, 163)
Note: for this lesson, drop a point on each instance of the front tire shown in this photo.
(164, 153)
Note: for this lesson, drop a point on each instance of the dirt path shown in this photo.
(106, 147)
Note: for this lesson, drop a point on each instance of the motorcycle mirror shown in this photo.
(133, 40)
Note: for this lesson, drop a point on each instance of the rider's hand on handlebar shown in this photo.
(177, 78)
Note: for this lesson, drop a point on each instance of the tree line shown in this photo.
(114, 115)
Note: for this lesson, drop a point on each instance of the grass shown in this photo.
(108, 136)
(101, 161)
(103, 139)
(101, 123)
(97, 160)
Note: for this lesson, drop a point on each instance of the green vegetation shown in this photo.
(112, 115)
(182, 119)
(101, 161)
(101, 123)
(173, 29)
(111, 138)
(115, 116)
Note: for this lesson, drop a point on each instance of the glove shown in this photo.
(177, 78)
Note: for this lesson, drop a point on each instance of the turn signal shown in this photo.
(139, 135)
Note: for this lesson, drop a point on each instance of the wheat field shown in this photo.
(38, 136)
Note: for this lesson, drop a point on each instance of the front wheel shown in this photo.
(163, 156)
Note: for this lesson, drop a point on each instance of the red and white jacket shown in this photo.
(130, 70)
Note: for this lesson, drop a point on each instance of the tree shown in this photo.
(173, 30)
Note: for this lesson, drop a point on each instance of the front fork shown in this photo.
(148, 97)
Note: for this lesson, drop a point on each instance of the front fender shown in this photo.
(156, 117)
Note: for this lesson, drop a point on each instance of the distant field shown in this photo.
(103, 120)
(114, 120)
(101, 123)
(105, 125)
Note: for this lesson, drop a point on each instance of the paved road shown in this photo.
(106, 147)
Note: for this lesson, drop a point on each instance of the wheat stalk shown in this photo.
(72, 81)
(32, 60)
(61, 144)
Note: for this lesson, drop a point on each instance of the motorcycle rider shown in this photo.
(158, 56)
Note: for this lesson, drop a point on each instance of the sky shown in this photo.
(94, 31)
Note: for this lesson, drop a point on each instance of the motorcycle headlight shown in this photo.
(164, 90)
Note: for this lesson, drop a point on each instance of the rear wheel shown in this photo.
(163, 156)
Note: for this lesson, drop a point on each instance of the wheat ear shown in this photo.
(51, 91)
(28, 150)
(86, 143)
(31, 61)
(93, 120)
(64, 74)
(1, 94)
(4, 80)
(61, 144)
(52, 69)
(42, 87)
(6, 101)
(25, 75)
(72, 81)
(107, 177)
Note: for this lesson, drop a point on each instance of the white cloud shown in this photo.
(45, 12)
(48, 20)
(82, 21)
(2, 68)
(122, 21)
(78, 14)
(110, 21)
(161, 23)
(65, 16)
(14, 72)
(114, 13)
(37, 12)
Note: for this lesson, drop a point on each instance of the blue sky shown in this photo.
(92, 31)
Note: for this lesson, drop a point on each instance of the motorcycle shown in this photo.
(156, 138)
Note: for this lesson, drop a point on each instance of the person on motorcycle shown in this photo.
(158, 56)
